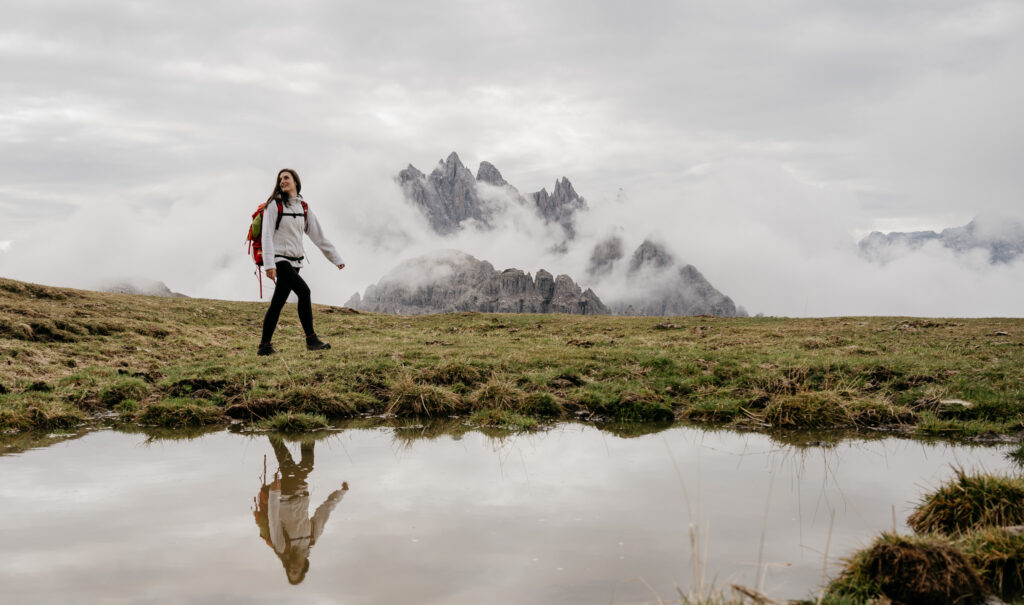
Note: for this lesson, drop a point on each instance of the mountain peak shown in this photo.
(652, 255)
(487, 173)
(452, 160)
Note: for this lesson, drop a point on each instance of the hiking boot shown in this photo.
(313, 343)
(265, 349)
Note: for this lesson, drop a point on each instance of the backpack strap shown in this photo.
(281, 214)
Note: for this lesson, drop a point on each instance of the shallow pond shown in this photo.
(571, 515)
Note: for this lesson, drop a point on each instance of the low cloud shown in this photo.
(773, 242)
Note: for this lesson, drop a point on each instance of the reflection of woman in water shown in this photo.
(282, 510)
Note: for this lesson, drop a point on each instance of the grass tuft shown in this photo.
(125, 388)
(970, 502)
(179, 413)
(410, 398)
(543, 405)
(498, 393)
(914, 570)
(452, 373)
(998, 555)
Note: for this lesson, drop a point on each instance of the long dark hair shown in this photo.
(278, 194)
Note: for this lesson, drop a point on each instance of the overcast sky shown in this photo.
(759, 140)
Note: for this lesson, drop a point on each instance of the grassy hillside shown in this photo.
(69, 356)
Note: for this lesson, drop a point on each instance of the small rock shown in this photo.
(1001, 333)
(666, 326)
(955, 403)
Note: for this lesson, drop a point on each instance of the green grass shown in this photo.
(69, 356)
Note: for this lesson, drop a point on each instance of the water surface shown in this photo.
(572, 515)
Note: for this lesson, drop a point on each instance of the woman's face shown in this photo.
(286, 182)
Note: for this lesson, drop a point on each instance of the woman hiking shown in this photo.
(282, 252)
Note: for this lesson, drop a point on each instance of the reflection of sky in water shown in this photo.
(570, 515)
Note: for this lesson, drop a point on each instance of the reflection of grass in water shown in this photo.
(502, 419)
(22, 442)
(1016, 455)
(294, 423)
(160, 433)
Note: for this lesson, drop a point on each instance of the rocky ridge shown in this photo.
(450, 281)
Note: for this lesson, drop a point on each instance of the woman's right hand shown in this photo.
(272, 274)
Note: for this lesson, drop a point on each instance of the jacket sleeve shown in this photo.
(316, 234)
(267, 234)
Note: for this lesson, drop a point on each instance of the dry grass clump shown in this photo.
(498, 393)
(914, 570)
(998, 555)
(452, 373)
(971, 502)
(410, 398)
(312, 400)
(807, 409)
(832, 409)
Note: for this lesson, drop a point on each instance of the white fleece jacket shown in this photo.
(286, 240)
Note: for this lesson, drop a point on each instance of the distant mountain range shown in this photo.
(1002, 238)
(141, 286)
(451, 198)
(450, 280)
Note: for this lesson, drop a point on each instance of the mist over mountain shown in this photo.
(448, 280)
(449, 197)
(145, 287)
(1001, 237)
(660, 285)
(452, 200)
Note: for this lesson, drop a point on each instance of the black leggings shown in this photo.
(288, 281)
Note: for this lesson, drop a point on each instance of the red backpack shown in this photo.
(254, 238)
